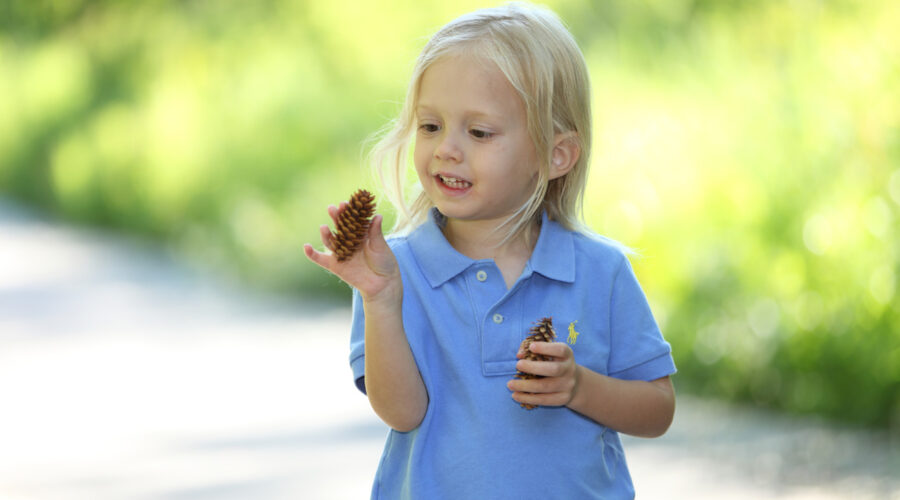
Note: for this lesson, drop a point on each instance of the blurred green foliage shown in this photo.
(750, 151)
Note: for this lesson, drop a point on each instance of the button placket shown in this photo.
(489, 296)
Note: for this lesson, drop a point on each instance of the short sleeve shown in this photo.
(358, 342)
(637, 348)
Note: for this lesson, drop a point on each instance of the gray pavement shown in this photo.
(126, 374)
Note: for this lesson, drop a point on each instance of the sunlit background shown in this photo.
(749, 152)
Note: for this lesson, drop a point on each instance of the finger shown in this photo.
(319, 258)
(535, 386)
(551, 399)
(554, 349)
(375, 240)
(375, 234)
(543, 368)
(335, 211)
(327, 237)
(379, 256)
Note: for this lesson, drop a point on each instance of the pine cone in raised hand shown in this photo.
(542, 331)
(353, 224)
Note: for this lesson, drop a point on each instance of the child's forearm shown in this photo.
(634, 407)
(393, 382)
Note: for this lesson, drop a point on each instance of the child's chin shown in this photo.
(453, 211)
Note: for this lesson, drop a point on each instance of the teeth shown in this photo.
(453, 182)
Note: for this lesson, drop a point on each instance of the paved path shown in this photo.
(126, 375)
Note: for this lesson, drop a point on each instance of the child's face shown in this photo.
(473, 154)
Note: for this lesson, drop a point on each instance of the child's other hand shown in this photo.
(561, 376)
(372, 269)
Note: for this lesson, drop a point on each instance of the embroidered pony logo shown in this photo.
(573, 335)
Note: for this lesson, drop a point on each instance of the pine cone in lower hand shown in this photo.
(542, 331)
(353, 224)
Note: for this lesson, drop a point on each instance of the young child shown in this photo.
(498, 110)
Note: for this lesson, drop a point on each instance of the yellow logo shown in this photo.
(573, 335)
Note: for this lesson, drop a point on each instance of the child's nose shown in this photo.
(448, 148)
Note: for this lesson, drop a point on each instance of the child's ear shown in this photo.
(566, 152)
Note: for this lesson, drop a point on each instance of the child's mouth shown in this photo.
(454, 182)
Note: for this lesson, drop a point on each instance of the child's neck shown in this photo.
(480, 240)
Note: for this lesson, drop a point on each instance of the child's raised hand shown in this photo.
(561, 376)
(372, 269)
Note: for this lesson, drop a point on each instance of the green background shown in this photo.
(749, 151)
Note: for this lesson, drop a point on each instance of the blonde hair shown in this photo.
(542, 61)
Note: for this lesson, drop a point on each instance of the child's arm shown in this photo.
(393, 382)
(394, 385)
(634, 407)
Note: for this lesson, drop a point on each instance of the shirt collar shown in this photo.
(554, 253)
(553, 256)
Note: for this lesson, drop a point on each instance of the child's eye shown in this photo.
(428, 127)
(481, 134)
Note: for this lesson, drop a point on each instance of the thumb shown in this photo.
(376, 241)
(379, 256)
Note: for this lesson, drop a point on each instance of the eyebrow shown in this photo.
(426, 107)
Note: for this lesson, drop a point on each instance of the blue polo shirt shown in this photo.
(464, 328)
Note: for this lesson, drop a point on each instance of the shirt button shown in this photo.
(481, 275)
(498, 318)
